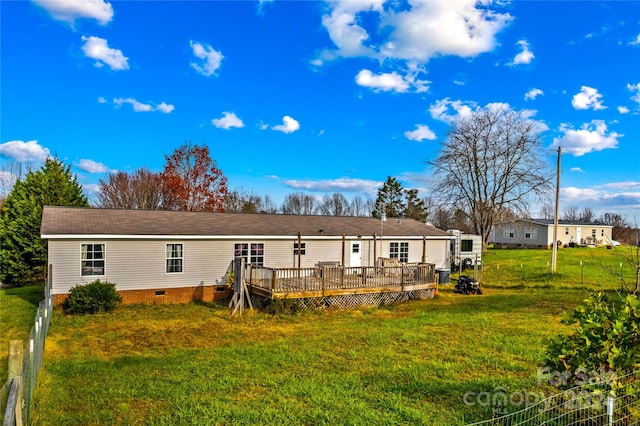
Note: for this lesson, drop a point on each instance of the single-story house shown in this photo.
(158, 256)
(539, 233)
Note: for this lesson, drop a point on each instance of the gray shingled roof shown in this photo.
(61, 221)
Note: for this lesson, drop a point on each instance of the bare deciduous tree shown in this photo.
(140, 190)
(361, 207)
(298, 203)
(334, 205)
(491, 162)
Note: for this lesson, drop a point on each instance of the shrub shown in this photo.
(98, 296)
(605, 339)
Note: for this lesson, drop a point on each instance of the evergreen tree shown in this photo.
(390, 199)
(415, 208)
(23, 254)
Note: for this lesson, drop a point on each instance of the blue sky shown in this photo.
(321, 96)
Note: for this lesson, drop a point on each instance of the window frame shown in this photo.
(509, 232)
(93, 260)
(303, 249)
(399, 250)
(252, 252)
(530, 233)
(167, 258)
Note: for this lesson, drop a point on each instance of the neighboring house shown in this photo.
(169, 256)
(539, 233)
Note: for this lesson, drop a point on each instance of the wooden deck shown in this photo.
(300, 283)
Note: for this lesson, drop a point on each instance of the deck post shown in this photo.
(274, 277)
(402, 278)
(424, 249)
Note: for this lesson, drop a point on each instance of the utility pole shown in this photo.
(554, 251)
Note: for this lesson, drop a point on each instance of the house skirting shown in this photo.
(351, 301)
(167, 295)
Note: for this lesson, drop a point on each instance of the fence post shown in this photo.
(610, 406)
(16, 362)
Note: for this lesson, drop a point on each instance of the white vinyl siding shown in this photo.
(141, 264)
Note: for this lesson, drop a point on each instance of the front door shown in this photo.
(579, 235)
(355, 258)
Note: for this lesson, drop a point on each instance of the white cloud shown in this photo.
(211, 58)
(70, 10)
(449, 111)
(587, 98)
(635, 42)
(393, 81)
(417, 33)
(421, 133)
(634, 88)
(335, 185)
(142, 107)
(102, 100)
(525, 56)
(384, 81)
(91, 166)
(616, 196)
(228, 121)
(532, 94)
(97, 48)
(164, 107)
(289, 125)
(24, 151)
(137, 106)
(591, 137)
(576, 170)
(623, 109)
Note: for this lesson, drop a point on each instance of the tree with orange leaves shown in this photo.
(192, 181)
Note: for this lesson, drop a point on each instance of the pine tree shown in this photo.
(415, 208)
(23, 254)
(389, 199)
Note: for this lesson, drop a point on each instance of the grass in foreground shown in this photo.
(193, 364)
(18, 308)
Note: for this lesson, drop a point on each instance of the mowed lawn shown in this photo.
(410, 363)
(18, 308)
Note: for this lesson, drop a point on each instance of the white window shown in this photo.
(530, 233)
(509, 232)
(252, 252)
(174, 258)
(593, 234)
(399, 251)
(93, 258)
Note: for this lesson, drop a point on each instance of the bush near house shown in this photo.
(98, 296)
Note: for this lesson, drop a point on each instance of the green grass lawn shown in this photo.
(591, 268)
(18, 308)
(410, 363)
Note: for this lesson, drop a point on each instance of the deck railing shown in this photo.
(321, 279)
